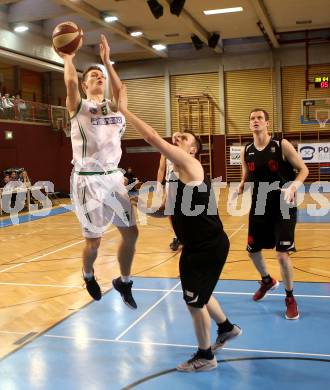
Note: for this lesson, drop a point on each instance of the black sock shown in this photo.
(267, 279)
(226, 326)
(206, 353)
(289, 293)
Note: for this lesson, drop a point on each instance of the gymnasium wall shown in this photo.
(293, 90)
(44, 153)
(31, 85)
(236, 82)
(246, 90)
(147, 100)
(196, 84)
(7, 78)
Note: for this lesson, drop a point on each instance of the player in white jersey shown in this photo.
(97, 185)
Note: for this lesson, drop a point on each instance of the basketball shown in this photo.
(67, 37)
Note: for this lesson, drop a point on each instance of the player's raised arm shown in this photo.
(73, 97)
(115, 82)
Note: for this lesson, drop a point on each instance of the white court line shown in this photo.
(10, 332)
(277, 352)
(183, 345)
(37, 285)
(237, 230)
(162, 290)
(55, 251)
(69, 246)
(231, 293)
(46, 254)
(147, 312)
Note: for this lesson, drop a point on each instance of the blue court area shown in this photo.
(34, 216)
(106, 345)
(314, 216)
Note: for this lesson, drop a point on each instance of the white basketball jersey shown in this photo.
(96, 134)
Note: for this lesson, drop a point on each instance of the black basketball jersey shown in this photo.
(268, 166)
(195, 218)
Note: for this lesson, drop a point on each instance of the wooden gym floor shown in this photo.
(40, 266)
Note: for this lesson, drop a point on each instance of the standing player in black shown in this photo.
(269, 165)
(205, 244)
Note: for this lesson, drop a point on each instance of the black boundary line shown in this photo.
(161, 373)
(157, 265)
(311, 273)
(25, 338)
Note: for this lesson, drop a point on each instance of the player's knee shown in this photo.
(193, 300)
(133, 233)
(282, 257)
(194, 305)
(253, 254)
(130, 234)
(93, 243)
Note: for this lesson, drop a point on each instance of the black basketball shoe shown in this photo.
(93, 287)
(125, 290)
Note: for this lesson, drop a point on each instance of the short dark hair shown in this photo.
(260, 109)
(198, 141)
(93, 67)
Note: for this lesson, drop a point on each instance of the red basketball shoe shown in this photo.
(264, 288)
(291, 309)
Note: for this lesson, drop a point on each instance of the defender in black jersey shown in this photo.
(205, 244)
(164, 172)
(269, 165)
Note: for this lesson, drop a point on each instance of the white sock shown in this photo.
(125, 279)
(88, 275)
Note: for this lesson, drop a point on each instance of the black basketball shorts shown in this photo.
(267, 232)
(200, 270)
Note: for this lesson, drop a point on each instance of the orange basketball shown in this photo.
(67, 37)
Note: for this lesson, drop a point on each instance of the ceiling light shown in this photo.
(222, 10)
(136, 33)
(21, 28)
(108, 17)
(159, 46)
(156, 9)
(112, 62)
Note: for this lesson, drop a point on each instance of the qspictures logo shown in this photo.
(307, 153)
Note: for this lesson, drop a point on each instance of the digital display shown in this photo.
(321, 82)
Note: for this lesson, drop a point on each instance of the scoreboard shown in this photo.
(321, 82)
